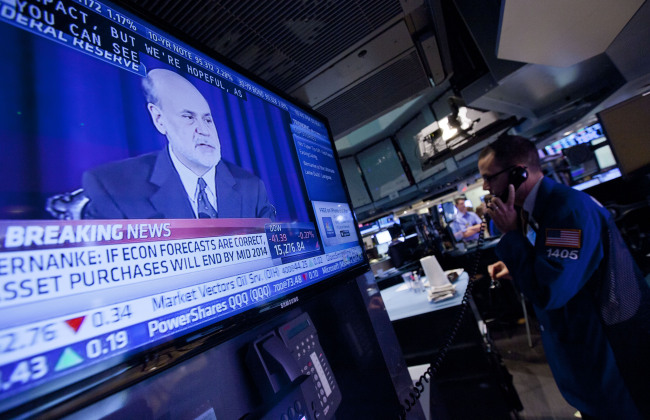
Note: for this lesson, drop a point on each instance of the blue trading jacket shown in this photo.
(590, 300)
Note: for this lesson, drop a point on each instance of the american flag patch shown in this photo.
(567, 238)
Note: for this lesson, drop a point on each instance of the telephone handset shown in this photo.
(516, 176)
(290, 361)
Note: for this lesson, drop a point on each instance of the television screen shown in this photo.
(150, 191)
(409, 223)
(448, 211)
(354, 181)
(626, 126)
(387, 221)
(368, 228)
(590, 133)
(605, 157)
(382, 170)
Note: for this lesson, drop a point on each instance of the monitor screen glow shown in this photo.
(150, 192)
(448, 210)
(605, 157)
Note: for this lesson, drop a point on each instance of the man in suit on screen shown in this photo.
(188, 178)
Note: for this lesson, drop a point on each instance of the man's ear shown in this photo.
(156, 118)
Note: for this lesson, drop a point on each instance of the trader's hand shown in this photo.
(498, 271)
(503, 214)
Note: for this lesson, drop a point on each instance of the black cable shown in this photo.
(427, 376)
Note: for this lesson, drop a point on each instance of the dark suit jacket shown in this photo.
(148, 187)
(591, 301)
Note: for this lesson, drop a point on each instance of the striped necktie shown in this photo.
(204, 208)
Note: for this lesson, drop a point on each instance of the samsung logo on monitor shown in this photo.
(289, 302)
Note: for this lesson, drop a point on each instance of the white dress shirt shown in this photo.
(190, 183)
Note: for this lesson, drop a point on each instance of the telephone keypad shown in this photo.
(305, 349)
(300, 336)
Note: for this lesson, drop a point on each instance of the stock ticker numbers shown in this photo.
(287, 249)
(14, 341)
(41, 351)
(23, 372)
(110, 316)
(43, 335)
(112, 342)
(53, 347)
(306, 234)
(289, 239)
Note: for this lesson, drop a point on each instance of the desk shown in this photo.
(469, 372)
(404, 303)
(422, 326)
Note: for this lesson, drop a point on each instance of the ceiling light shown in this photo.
(465, 122)
(447, 131)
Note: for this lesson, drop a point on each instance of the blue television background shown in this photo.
(63, 112)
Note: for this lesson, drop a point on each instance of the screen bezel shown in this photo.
(187, 344)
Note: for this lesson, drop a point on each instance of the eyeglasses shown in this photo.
(490, 178)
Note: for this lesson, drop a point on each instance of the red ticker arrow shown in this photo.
(75, 323)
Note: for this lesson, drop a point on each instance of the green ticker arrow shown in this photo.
(68, 359)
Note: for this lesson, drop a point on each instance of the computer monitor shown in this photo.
(153, 194)
(409, 223)
(382, 170)
(626, 126)
(448, 211)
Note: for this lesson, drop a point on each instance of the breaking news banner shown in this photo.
(39, 351)
(46, 259)
(167, 312)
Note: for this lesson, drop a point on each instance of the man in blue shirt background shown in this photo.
(467, 224)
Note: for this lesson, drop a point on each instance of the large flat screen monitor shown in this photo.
(354, 181)
(448, 211)
(382, 170)
(627, 126)
(151, 194)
